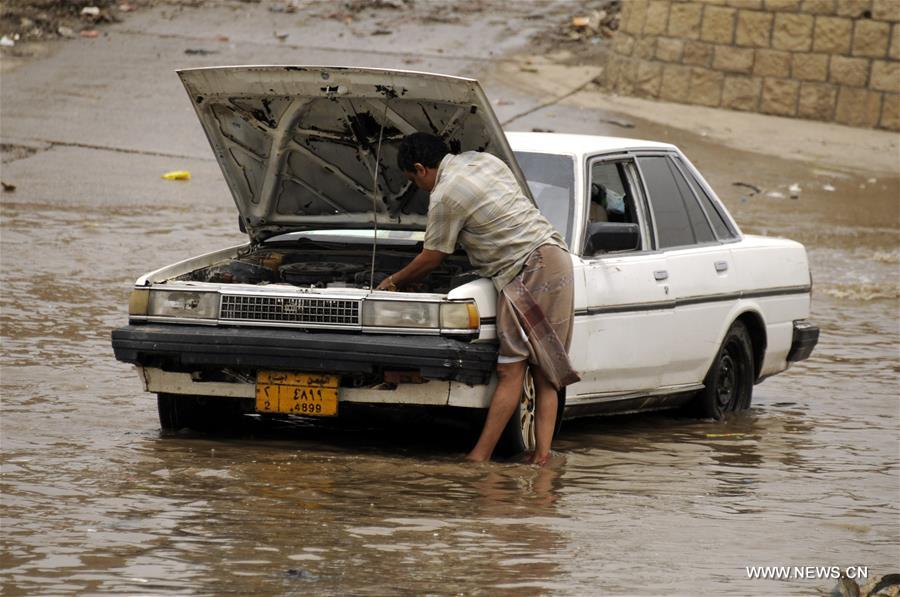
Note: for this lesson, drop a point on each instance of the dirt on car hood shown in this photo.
(298, 144)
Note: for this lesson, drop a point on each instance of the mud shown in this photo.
(95, 500)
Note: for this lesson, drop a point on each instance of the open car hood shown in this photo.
(297, 144)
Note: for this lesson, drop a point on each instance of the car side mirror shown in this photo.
(612, 236)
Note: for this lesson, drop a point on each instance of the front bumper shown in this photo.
(187, 348)
(806, 336)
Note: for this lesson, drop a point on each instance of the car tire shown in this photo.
(518, 435)
(199, 413)
(728, 386)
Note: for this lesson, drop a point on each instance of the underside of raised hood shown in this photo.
(297, 144)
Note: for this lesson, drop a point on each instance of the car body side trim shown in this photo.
(695, 300)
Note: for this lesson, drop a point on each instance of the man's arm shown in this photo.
(417, 269)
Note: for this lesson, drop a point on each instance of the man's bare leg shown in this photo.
(503, 404)
(546, 404)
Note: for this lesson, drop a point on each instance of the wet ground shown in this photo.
(96, 500)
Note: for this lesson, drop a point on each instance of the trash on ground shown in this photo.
(90, 11)
(756, 190)
(65, 31)
(222, 38)
(199, 52)
(382, 32)
(90, 34)
(126, 7)
(622, 123)
(7, 42)
(7, 187)
(775, 194)
(795, 190)
(828, 187)
(280, 36)
(177, 175)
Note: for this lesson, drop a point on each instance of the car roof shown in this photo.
(578, 144)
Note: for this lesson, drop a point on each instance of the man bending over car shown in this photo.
(476, 201)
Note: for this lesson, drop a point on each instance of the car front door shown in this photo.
(621, 340)
(699, 270)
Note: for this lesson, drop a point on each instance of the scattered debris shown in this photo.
(775, 194)
(828, 187)
(872, 180)
(7, 187)
(177, 175)
(42, 20)
(622, 123)
(795, 190)
(223, 39)
(280, 36)
(7, 42)
(884, 586)
(199, 52)
(382, 32)
(301, 573)
(756, 190)
(89, 34)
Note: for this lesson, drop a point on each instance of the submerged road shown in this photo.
(95, 500)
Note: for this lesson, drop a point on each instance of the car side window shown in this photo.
(679, 218)
(611, 203)
(714, 213)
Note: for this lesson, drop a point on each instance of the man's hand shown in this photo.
(417, 269)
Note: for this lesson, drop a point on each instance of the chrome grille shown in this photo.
(277, 309)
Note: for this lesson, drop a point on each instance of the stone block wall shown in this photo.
(831, 60)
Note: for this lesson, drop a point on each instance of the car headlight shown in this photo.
(455, 317)
(181, 303)
(400, 314)
(460, 316)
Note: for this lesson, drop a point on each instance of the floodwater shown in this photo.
(96, 500)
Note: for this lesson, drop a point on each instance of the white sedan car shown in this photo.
(674, 305)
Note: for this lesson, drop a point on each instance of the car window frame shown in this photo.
(635, 184)
(668, 155)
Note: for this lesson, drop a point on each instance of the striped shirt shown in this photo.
(477, 202)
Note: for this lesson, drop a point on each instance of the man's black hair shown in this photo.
(421, 148)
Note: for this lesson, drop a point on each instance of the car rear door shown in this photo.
(699, 272)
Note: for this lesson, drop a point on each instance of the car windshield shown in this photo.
(551, 178)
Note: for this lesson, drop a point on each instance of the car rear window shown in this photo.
(551, 178)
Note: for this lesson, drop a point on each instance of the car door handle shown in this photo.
(660, 275)
(721, 266)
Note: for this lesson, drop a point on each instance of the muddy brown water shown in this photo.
(96, 500)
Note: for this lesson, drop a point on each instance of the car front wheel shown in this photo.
(728, 387)
(518, 436)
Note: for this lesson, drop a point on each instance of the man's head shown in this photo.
(419, 156)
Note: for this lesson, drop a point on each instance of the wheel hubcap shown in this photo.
(527, 411)
(726, 386)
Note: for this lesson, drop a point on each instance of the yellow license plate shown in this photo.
(310, 394)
